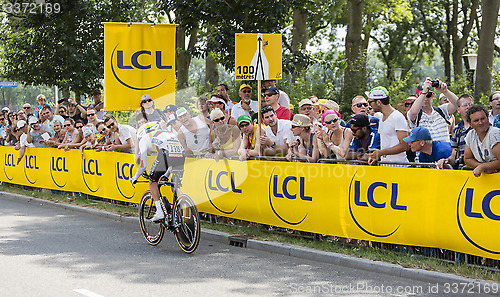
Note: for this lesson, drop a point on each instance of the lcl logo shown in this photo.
(90, 169)
(137, 61)
(478, 218)
(123, 173)
(218, 183)
(59, 171)
(370, 202)
(31, 166)
(9, 165)
(285, 194)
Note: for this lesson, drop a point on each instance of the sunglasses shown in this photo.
(358, 105)
(26, 107)
(90, 114)
(67, 125)
(110, 125)
(219, 119)
(79, 127)
(467, 104)
(354, 130)
(306, 108)
(147, 100)
(268, 95)
(244, 124)
(331, 121)
(246, 91)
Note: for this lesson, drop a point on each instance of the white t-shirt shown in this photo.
(388, 136)
(125, 132)
(284, 134)
(483, 151)
(23, 141)
(435, 123)
(238, 111)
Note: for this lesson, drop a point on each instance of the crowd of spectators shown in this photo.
(414, 131)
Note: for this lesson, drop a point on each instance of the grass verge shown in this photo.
(256, 231)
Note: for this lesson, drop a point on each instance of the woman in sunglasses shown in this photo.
(334, 142)
(224, 138)
(149, 112)
(72, 136)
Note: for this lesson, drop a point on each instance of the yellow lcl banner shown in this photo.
(410, 206)
(258, 56)
(138, 59)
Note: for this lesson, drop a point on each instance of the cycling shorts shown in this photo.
(162, 162)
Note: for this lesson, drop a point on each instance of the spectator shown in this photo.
(392, 128)
(170, 109)
(271, 96)
(263, 102)
(36, 132)
(42, 101)
(223, 91)
(495, 106)
(72, 136)
(98, 104)
(49, 119)
(92, 119)
(57, 139)
(482, 152)
(283, 99)
(3, 129)
(224, 137)
(21, 115)
(90, 141)
(76, 111)
(217, 102)
(460, 131)
(334, 142)
(27, 109)
(307, 145)
(13, 135)
(173, 124)
(278, 133)
(332, 105)
(436, 119)
(5, 111)
(124, 135)
(149, 112)
(12, 118)
(104, 136)
(249, 147)
(420, 140)
(305, 108)
(360, 106)
(404, 105)
(365, 139)
(443, 100)
(24, 142)
(202, 106)
(246, 105)
(62, 111)
(194, 134)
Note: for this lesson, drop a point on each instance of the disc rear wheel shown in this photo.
(152, 232)
(186, 224)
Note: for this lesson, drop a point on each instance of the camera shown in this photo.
(60, 101)
(435, 83)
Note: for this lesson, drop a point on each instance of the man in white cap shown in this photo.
(23, 140)
(246, 105)
(306, 108)
(392, 129)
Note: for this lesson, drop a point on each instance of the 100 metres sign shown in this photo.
(258, 56)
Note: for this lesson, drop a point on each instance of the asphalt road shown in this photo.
(51, 251)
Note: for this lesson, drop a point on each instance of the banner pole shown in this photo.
(259, 116)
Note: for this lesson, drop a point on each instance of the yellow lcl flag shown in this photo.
(138, 59)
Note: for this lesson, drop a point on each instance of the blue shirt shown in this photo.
(373, 142)
(373, 123)
(440, 150)
(496, 122)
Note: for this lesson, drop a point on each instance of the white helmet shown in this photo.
(146, 129)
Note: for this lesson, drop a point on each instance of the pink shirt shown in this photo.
(283, 113)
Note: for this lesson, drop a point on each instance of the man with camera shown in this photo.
(75, 110)
(436, 119)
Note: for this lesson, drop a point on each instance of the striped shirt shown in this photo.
(458, 137)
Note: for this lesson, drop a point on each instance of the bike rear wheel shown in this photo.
(186, 224)
(152, 232)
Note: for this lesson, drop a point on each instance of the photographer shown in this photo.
(75, 110)
(436, 119)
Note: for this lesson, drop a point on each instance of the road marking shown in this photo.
(87, 293)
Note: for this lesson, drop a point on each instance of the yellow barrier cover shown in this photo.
(410, 206)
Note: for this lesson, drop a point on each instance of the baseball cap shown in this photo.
(360, 120)
(87, 131)
(420, 89)
(418, 133)
(275, 90)
(170, 107)
(330, 104)
(301, 120)
(216, 113)
(244, 118)
(20, 124)
(32, 120)
(171, 119)
(305, 102)
(217, 99)
(5, 109)
(378, 93)
(320, 102)
(145, 97)
(245, 86)
(181, 111)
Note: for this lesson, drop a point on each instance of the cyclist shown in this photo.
(170, 153)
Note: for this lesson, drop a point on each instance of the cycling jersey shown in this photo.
(169, 150)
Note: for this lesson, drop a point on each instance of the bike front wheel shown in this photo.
(186, 224)
(152, 232)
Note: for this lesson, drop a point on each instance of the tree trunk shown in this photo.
(183, 55)
(486, 47)
(355, 72)
(300, 37)
(460, 43)
(211, 73)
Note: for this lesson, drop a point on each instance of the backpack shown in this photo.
(438, 110)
